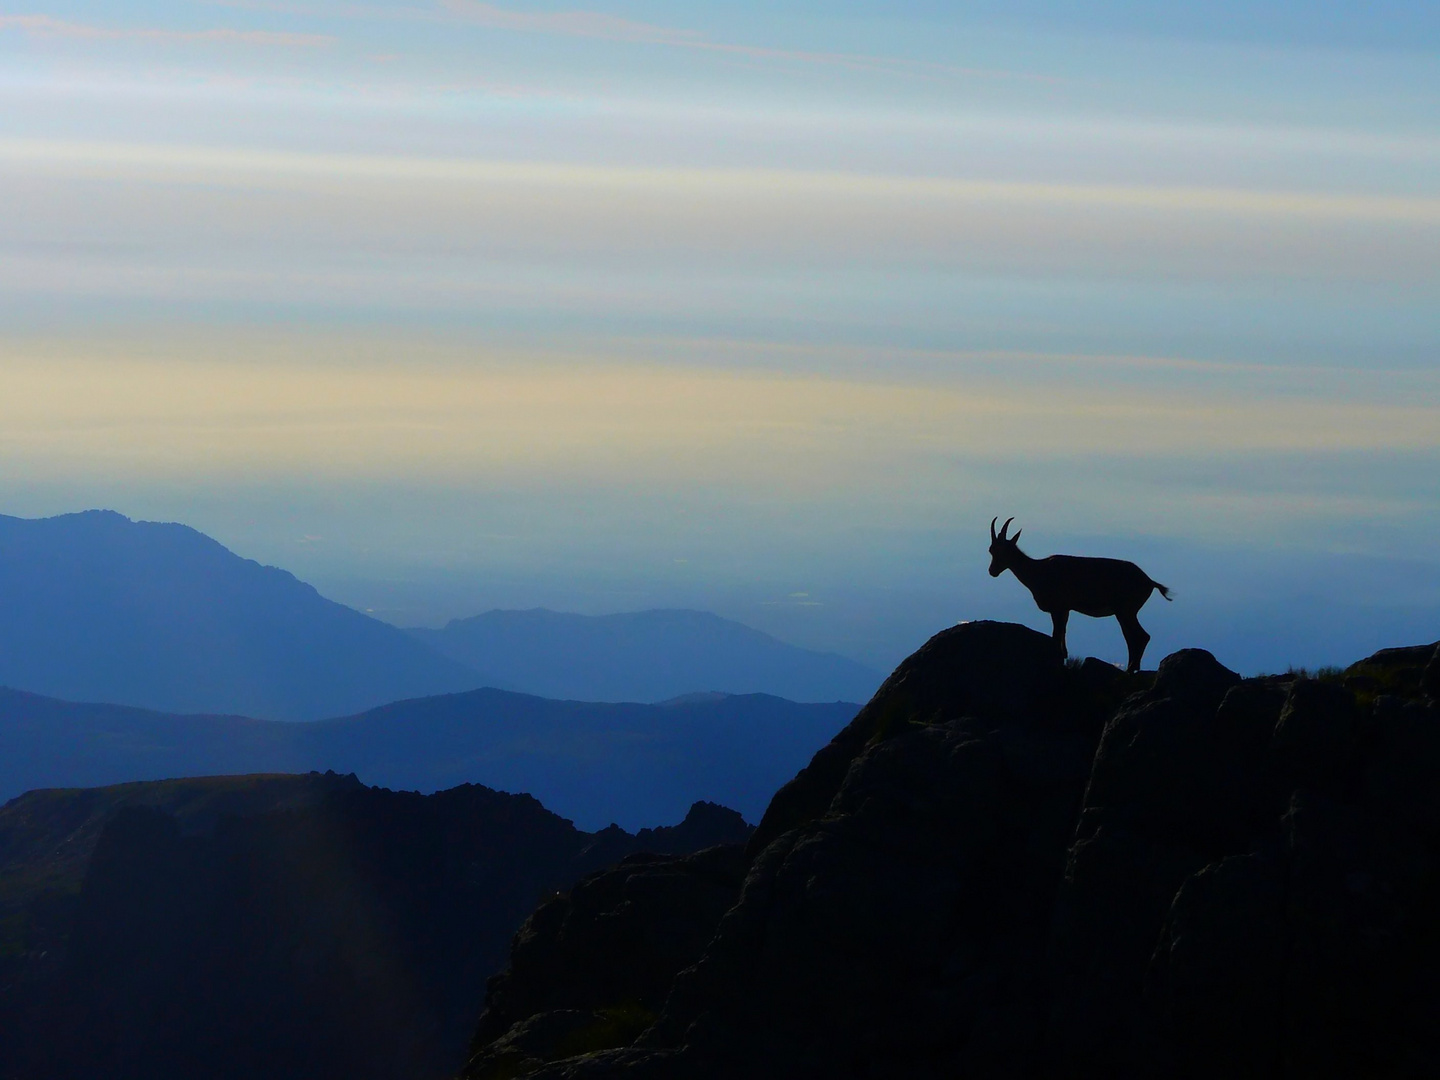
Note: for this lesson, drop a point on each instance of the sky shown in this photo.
(765, 309)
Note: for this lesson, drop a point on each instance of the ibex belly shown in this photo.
(1098, 588)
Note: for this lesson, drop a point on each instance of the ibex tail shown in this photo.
(1164, 591)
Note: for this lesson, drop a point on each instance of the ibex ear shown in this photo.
(1016, 538)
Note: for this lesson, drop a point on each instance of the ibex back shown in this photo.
(1065, 583)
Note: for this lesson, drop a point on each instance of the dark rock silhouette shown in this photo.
(591, 968)
(1061, 584)
(46, 842)
(275, 926)
(1007, 866)
(990, 669)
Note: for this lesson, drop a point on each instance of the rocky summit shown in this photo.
(1008, 865)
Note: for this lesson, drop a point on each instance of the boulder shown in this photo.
(1214, 989)
(1194, 678)
(1000, 671)
(905, 929)
(1117, 888)
(1399, 671)
(1402, 773)
(1182, 763)
(1317, 738)
(1359, 995)
(1176, 782)
(591, 968)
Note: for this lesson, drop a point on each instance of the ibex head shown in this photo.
(1002, 547)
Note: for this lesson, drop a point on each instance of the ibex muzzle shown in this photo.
(1061, 584)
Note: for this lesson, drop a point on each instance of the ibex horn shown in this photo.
(1005, 528)
(992, 526)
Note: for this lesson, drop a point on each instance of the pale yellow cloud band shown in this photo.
(282, 416)
(261, 167)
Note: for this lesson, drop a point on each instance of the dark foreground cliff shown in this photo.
(1007, 866)
(274, 926)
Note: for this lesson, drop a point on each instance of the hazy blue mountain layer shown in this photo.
(594, 763)
(96, 607)
(643, 656)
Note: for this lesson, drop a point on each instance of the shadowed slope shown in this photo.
(277, 926)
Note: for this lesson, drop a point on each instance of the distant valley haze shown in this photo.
(643, 656)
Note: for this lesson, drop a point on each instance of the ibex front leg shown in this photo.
(1135, 637)
(1060, 618)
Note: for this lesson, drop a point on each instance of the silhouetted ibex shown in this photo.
(1065, 583)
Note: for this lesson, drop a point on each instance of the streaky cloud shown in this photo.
(595, 24)
(48, 26)
(90, 155)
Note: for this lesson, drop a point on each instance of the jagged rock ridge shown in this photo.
(282, 926)
(1007, 866)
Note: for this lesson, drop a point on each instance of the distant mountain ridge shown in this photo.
(646, 656)
(592, 762)
(96, 607)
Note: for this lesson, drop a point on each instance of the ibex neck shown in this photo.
(1023, 567)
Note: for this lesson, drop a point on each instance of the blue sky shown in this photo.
(760, 308)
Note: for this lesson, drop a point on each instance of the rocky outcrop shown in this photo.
(591, 968)
(997, 670)
(1430, 677)
(1007, 866)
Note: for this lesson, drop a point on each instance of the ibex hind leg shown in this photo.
(1135, 637)
(1059, 619)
